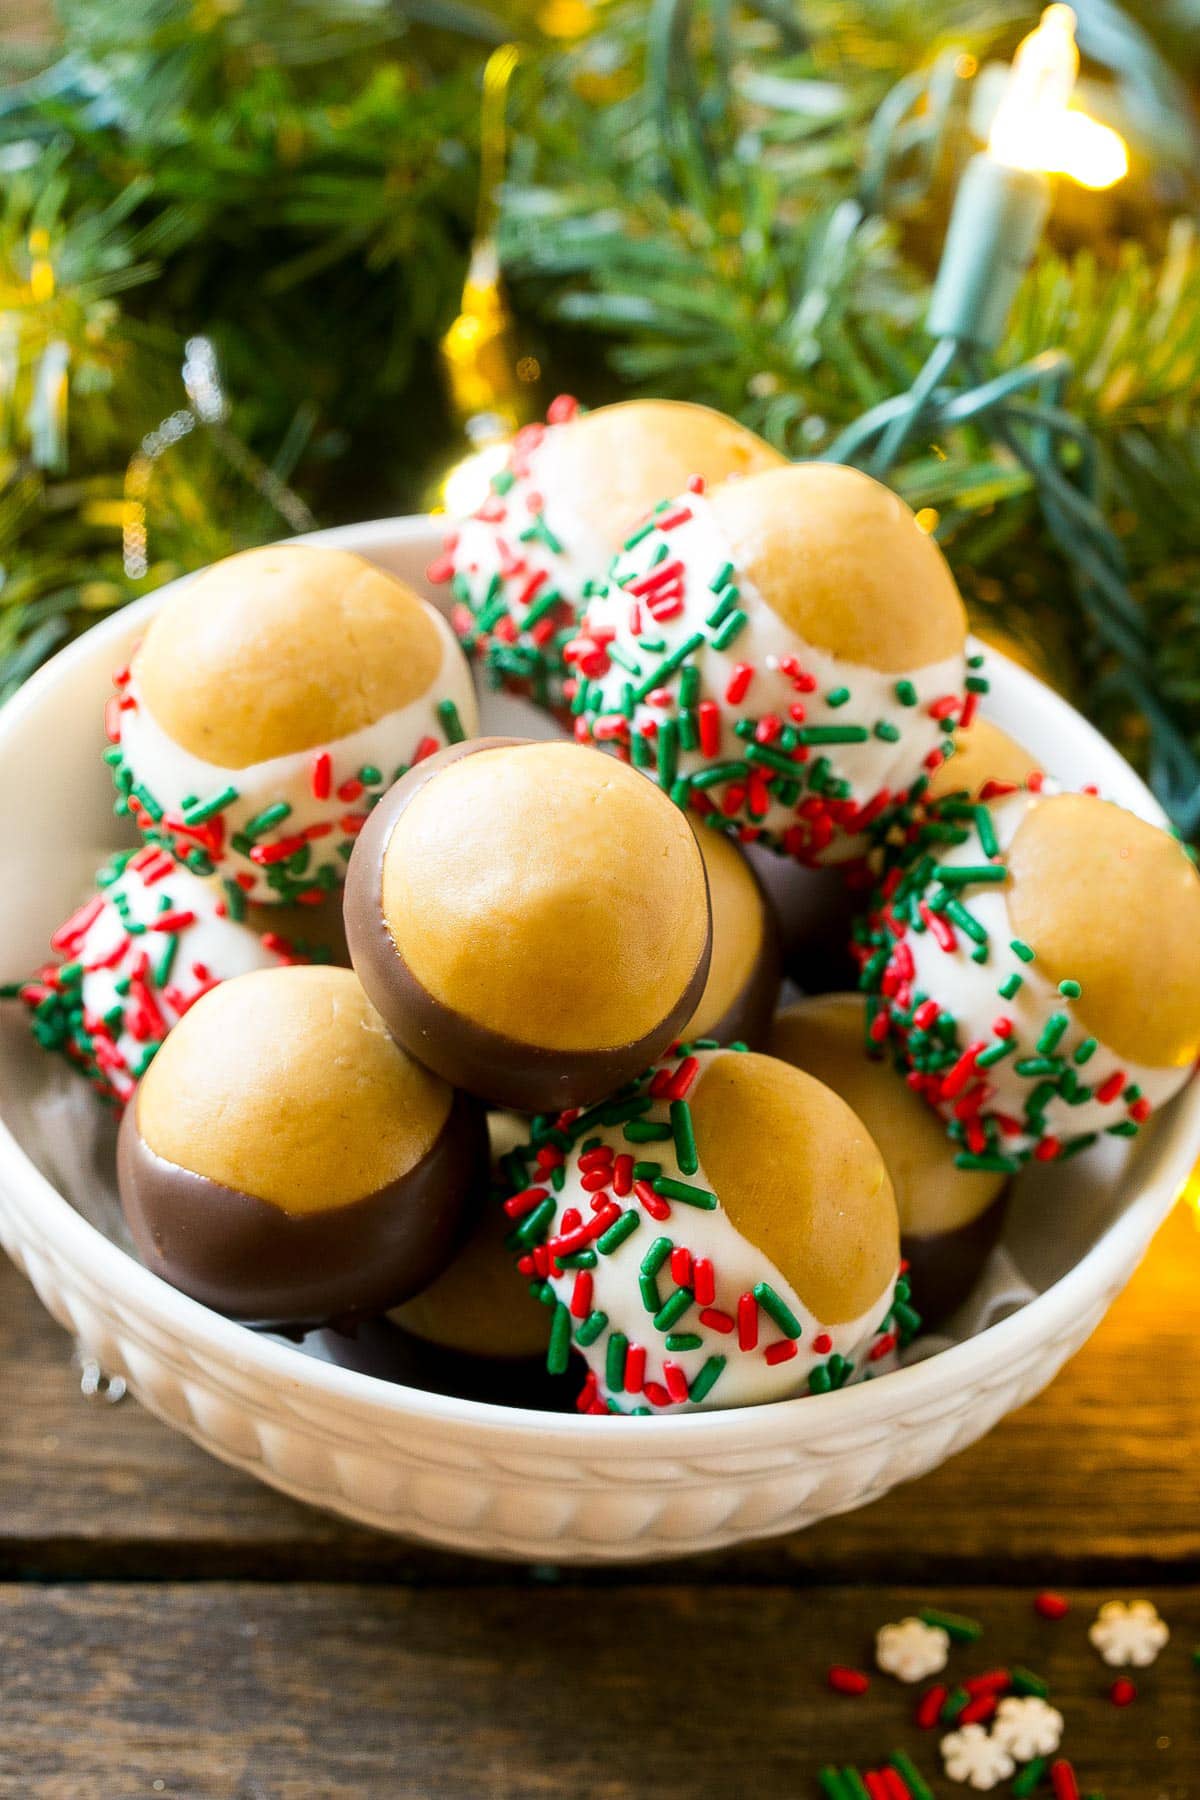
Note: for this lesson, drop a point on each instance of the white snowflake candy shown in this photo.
(973, 1756)
(911, 1650)
(1027, 1727)
(1128, 1633)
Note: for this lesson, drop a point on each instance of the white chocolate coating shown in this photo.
(969, 990)
(611, 1294)
(162, 972)
(525, 563)
(489, 555)
(173, 776)
(875, 770)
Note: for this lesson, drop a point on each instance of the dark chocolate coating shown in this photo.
(502, 1071)
(247, 1258)
(943, 1268)
(747, 1019)
(814, 909)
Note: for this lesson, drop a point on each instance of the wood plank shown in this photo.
(246, 1692)
(1093, 1481)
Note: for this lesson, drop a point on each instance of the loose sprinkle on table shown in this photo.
(845, 1680)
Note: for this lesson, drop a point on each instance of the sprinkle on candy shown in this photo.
(771, 784)
(141, 931)
(209, 836)
(687, 1311)
(963, 1075)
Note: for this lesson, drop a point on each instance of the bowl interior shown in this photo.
(60, 815)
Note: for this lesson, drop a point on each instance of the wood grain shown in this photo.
(1093, 1481)
(251, 1692)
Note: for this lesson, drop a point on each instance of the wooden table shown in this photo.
(171, 1628)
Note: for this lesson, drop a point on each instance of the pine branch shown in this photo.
(784, 301)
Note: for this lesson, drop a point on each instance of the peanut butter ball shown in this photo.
(950, 1218)
(272, 699)
(285, 1161)
(140, 950)
(743, 976)
(479, 1330)
(1113, 903)
(986, 761)
(477, 1306)
(1039, 981)
(570, 493)
(531, 920)
(726, 1235)
(786, 651)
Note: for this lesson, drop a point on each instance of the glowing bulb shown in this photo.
(1038, 90)
(1090, 153)
(1034, 128)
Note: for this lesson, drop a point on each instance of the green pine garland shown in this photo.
(703, 201)
(706, 217)
(295, 178)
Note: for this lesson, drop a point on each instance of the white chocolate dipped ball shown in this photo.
(570, 493)
(725, 1234)
(271, 701)
(136, 956)
(789, 650)
(1040, 979)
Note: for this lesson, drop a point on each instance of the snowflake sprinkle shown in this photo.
(973, 1756)
(911, 1650)
(1028, 1727)
(1128, 1633)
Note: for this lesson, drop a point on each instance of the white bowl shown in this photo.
(495, 1480)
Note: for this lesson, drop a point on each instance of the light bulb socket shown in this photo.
(998, 217)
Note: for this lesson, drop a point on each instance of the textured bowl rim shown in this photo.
(1105, 1265)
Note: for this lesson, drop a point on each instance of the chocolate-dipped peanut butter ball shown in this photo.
(743, 976)
(1039, 979)
(271, 701)
(284, 1161)
(950, 1219)
(724, 1233)
(787, 651)
(570, 493)
(128, 963)
(531, 920)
